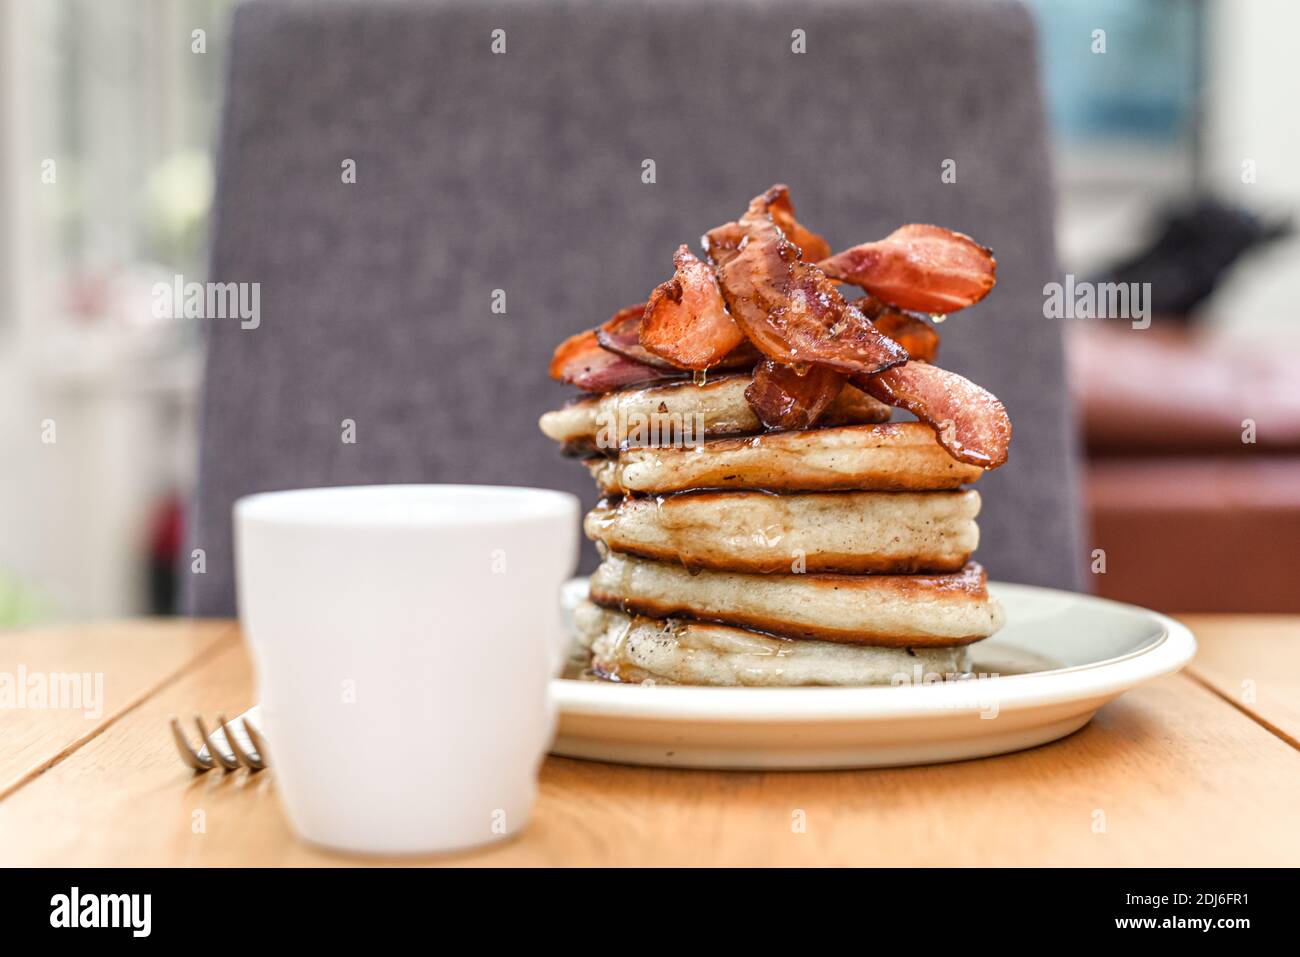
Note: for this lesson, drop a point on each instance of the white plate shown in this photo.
(1059, 658)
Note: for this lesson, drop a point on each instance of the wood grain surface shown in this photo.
(1185, 771)
(1253, 662)
(112, 667)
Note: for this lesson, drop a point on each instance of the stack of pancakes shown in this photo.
(831, 556)
(764, 522)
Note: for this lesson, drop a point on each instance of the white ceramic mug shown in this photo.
(404, 638)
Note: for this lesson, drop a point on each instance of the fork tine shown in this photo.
(259, 742)
(214, 752)
(251, 761)
(188, 754)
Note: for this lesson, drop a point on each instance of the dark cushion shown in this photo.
(522, 172)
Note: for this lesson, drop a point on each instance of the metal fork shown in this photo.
(211, 754)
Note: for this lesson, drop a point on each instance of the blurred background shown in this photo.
(1175, 164)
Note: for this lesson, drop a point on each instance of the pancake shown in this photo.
(850, 532)
(666, 413)
(680, 651)
(892, 456)
(891, 610)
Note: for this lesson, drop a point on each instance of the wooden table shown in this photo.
(1201, 768)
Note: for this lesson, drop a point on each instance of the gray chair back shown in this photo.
(524, 171)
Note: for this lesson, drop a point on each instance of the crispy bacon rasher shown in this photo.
(722, 242)
(927, 268)
(581, 361)
(813, 246)
(763, 289)
(969, 421)
(787, 307)
(621, 334)
(909, 329)
(686, 320)
(783, 398)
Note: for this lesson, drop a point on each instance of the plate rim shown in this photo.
(1099, 680)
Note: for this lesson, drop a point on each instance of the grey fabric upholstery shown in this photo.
(522, 172)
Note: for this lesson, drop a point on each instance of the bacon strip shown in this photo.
(621, 334)
(909, 329)
(782, 398)
(969, 421)
(927, 268)
(579, 360)
(744, 356)
(787, 307)
(722, 242)
(686, 320)
(813, 246)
